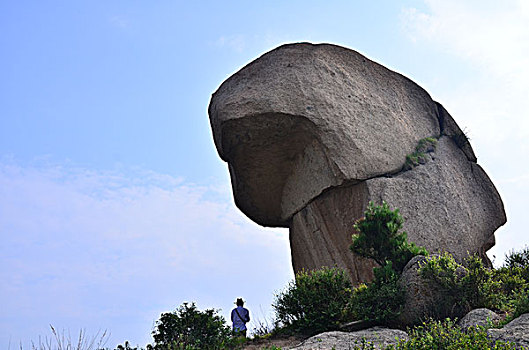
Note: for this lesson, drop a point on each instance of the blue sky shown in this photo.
(114, 205)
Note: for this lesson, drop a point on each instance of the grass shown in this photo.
(420, 156)
(63, 341)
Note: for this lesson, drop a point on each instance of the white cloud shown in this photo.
(234, 42)
(110, 250)
(120, 21)
(493, 39)
(490, 39)
(491, 34)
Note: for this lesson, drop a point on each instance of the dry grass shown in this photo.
(64, 341)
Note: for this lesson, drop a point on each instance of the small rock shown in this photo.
(516, 331)
(419, 295)
(478, 317)
(378, 336)
(424, 299)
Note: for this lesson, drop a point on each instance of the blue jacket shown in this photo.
(238, 324)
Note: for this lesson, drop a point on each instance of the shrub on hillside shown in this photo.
(128, 346)
(381, 300)
(189, 328)
(471, 285)
(518, 259)
(443, 335)
(446, 335)
(316, 301)
(513, 278)
(514, 274)
(521, 304)
(462, 287)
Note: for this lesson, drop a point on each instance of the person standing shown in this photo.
(239, 317)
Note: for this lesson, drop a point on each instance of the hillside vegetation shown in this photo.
(324, 300)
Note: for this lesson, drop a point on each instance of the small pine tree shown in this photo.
(377, 237)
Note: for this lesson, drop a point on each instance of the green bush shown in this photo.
(188, 328)
(461, 287)
(445, 275)
(472, 285)
(381, 300)
(515, 284)
(377, 237)
(521, 304)
(316, 301)
(519, 259)
(514, 274)
(128, 346)
(445, 335)
(511, 279)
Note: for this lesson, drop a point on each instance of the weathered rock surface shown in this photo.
(303, 118)
(516, 331)
(420, 296)
(479, 317)
(312, 133)
(425, 299)
(379, 337)
(448, 204)
(320, 233)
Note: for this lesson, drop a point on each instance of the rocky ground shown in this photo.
(280, 342)
(517, 332)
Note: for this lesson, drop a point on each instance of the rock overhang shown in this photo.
(313, 133)
(304, 118)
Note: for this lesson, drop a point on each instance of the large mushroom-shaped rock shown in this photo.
(312, 133)
(304, 118)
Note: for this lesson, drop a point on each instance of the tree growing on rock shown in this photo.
(377, 237)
